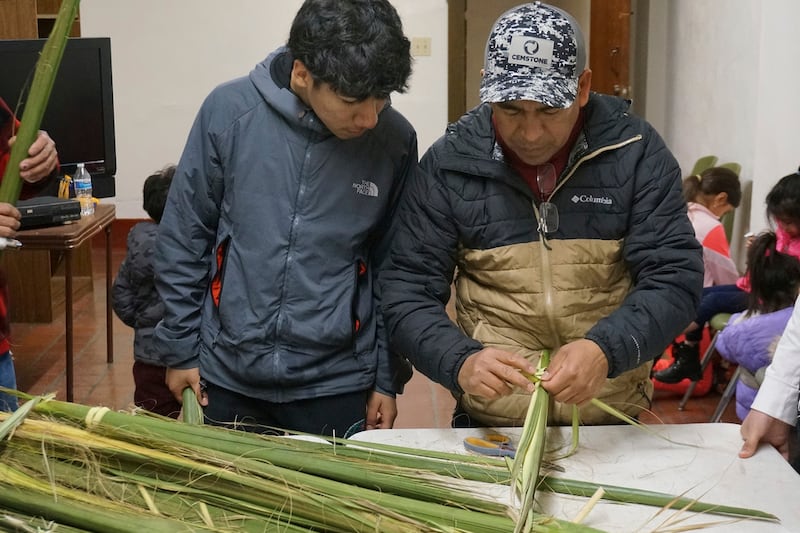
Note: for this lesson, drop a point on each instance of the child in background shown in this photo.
(750, 337)
(773, 417)
(783, 209)
(138, 304)
(709, 196)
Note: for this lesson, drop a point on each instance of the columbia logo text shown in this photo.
(367, 188)
(589, 199)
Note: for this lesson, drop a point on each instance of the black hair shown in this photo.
(711, 182)
(783, 200)
(356, 46)
(774, 276)
(156, 188)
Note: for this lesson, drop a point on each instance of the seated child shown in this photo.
(783, 210)
(709, 196)
(138, 304)
(750, 337)
(773, 417)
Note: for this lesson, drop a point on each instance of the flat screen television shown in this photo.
(80, 112)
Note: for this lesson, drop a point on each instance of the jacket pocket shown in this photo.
(219, 276)
(360, 288)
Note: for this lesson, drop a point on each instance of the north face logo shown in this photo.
(367, 188)
(589, 199)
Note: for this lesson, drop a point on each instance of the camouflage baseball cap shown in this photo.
(535, 52)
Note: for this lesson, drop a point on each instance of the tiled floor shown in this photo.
(39, 354)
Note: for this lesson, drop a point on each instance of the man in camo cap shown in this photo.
(536, 53)
(562, 215)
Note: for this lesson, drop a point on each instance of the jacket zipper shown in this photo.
(592, 155)
(291, 244)
(547, 270)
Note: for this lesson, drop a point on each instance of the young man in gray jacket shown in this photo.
(273, 231)
(563, 217)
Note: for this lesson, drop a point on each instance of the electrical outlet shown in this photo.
(420, 46)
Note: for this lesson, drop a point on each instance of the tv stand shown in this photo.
(65, 239)
(36, 281)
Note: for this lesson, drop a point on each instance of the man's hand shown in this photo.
(178, 379)
(9, 220)
(493, 373)
(381, 411)
(42, 159)
(576, 373)
(759, 427)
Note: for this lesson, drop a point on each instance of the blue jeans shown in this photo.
(8, 379)
(717, 299)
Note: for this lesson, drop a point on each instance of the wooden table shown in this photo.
(65, 238)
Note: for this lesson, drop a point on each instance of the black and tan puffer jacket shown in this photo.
(624, 268)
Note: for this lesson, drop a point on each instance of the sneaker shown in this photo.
(685, 365)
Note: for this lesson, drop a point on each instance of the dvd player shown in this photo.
(43, 211)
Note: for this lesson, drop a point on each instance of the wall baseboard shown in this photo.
(119, 234)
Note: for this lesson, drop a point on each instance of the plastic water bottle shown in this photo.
(83, 190)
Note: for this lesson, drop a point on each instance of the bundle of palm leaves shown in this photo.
(527, 477)
(99, 470)
(94, 469)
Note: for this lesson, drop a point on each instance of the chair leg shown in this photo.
(704, 361)
(726, 396)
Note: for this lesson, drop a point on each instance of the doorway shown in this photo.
(606, 27)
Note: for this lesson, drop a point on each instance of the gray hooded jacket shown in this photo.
(269, 244)
(134, 294)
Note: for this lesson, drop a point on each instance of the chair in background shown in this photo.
(736, 167)
(717, 324)
(741, 373)
(737, 222)
(733, 232)
(730, 390)
(727, 218)
(707, 161)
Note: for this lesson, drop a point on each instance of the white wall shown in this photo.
(168, 55)
(721, 77)
(776, 142)
(722, 80)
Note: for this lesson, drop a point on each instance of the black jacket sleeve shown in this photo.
(666, 264)
(416, 285)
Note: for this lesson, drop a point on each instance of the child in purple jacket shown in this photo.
(783, 212)
(750, 337)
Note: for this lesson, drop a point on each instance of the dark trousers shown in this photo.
(151, 391)
(717, 299)
(461, 418)
(319, 416)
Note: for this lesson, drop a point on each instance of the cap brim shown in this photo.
(548, 89)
